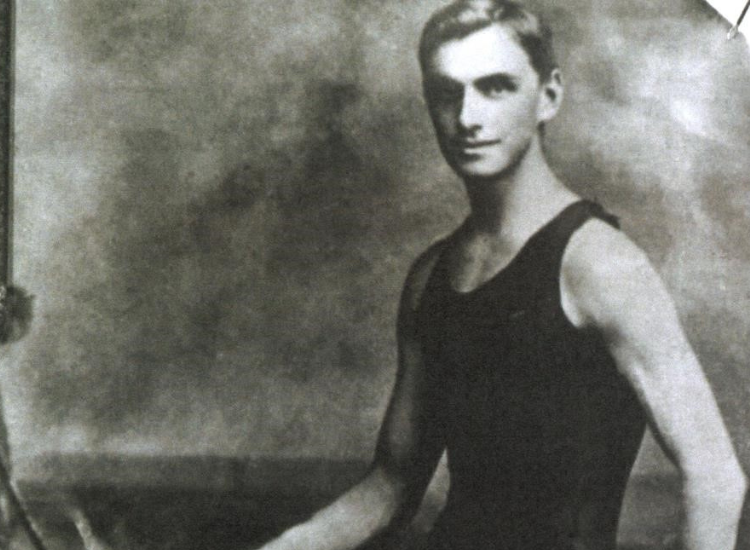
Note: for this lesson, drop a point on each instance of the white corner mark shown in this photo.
(735, 12)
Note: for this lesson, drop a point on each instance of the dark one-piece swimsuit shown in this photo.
(540, 428)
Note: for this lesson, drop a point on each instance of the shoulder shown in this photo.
(600, 250)
(604, 274)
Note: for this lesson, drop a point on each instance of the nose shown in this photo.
(469, 117)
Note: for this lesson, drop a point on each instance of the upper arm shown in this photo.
(410, 443)
(609, 284)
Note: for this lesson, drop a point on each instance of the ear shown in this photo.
(550, 97)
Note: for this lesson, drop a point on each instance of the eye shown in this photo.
(443, 91)
(496, 85)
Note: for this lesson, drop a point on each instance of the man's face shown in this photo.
(485, 101)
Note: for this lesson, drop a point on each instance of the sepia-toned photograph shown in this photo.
(379, 275)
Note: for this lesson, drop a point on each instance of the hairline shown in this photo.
(426, 62)
(543, 65)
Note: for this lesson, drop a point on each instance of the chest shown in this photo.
(471, 265)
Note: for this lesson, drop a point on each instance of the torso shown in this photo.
(540, 428)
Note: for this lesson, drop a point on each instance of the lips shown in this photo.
(470, 145)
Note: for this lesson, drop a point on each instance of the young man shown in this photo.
(535, 342)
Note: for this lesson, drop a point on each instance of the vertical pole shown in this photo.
(6, 76)
(7, 490)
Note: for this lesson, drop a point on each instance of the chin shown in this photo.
(491, 166)
(480, 170)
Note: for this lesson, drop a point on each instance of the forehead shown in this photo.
(490, 50)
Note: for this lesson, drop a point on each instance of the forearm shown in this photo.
(712, 508)
(364, 511)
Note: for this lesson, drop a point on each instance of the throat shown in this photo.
(517, 200)
(475, 257)
(475, 264)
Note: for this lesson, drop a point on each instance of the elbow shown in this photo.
(736, 487)
(741, 479)
(725, 484)
(741, 483)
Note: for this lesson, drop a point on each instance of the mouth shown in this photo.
(473, 145)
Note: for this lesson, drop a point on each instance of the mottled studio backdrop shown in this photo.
(216, 205)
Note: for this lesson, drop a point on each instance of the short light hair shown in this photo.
(464, 17)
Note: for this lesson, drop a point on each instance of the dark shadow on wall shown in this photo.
(159, 300)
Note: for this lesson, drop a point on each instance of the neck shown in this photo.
(525, 191)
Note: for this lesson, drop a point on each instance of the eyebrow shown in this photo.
(499, 77)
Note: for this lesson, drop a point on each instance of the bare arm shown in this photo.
(362, 512)
(407, 453)
(609, 284)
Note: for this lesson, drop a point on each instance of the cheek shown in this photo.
(521, 118)
(444, 121)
